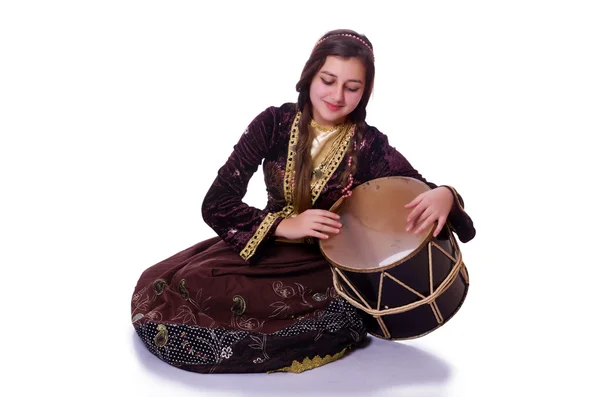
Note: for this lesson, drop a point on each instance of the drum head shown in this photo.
(373, 236)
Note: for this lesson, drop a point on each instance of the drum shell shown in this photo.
(414, 274)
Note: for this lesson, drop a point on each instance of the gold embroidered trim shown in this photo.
(291, 161)
(287, 211)
(259, 235)
(308, 363)
(456, 197)
(317, 185)
(315, 188)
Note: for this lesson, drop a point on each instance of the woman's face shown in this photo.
(336, 90)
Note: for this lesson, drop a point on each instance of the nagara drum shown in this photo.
(405, 285)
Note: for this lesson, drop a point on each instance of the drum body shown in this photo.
(406, 285)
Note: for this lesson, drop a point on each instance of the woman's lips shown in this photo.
(331, 107)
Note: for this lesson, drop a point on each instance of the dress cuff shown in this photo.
(264, 231)
(458, 219)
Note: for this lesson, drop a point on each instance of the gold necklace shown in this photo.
(323, 129)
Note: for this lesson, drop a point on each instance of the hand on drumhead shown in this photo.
(310, 223)
(428, 208)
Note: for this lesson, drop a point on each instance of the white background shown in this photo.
(116, 115)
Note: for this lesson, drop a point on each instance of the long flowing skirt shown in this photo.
(206, 310)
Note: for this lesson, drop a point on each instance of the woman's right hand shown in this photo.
(310, 223)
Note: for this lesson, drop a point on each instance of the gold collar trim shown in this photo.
(321, 129)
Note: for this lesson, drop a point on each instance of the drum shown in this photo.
(405, 285)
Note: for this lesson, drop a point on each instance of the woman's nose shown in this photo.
(338, 95)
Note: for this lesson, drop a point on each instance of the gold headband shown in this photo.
(346, 35)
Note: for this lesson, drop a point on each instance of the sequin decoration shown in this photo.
(182, 290)
(162, 337)
(239, 305)
(159, 286)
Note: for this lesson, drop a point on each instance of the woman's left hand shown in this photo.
(433, 205)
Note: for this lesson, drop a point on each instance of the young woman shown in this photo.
(259, 297)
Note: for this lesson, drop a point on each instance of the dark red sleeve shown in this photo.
(243, 227)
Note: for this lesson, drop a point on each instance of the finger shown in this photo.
(415, 201)
(427, 222)
(440, 226)
(427, 212)
(414, 215)
(326, 229)
(325, 213)
(316, 234)
(328, 222)
(325, 217)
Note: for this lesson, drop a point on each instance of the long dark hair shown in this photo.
(346, 44)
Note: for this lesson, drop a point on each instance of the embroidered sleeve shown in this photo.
(379, 159)
(243, 227)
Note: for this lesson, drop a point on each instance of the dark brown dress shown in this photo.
(244, 302)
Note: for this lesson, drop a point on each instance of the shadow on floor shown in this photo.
(378, 366)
